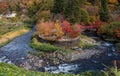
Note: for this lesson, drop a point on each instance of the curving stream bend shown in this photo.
(16, 51)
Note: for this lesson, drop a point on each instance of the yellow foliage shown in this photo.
(58, 28)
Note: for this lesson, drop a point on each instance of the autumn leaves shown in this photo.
(57, 29)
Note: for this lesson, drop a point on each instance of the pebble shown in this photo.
(27, 66)
(9, 62)
(32, 62)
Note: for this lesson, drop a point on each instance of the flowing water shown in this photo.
(95, 63)
(15, 52)
(17, 49)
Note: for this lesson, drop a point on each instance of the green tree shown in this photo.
(58, 6)
(84, 16)
(104, 11)
(74, 12)
(73, 9)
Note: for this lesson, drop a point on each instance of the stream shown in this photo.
(16, 51)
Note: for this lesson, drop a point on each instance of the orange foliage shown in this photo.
(45, 28)
(3, 7)
(57, 29)
(113, 1)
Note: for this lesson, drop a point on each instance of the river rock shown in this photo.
(32, 62)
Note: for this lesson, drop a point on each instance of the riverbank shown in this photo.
(6, 38)
(12, 70)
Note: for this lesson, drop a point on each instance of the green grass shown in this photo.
(12, 70)
(45, 47)
(8, 25)
(86, 42)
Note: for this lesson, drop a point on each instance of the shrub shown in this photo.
(58, 28)
(111, 29)
(45, 28)
(74, 33)
(66, 27)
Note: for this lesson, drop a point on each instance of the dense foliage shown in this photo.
(104, 11)
(57, 30)
(74, 16)
(111, 29)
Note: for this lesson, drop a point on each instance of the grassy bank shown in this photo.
(12, 70)
(4, 39)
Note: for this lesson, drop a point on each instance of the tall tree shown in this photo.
(73, 10)
(58, 6)
(104, 11)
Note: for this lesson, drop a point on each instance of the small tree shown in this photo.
(85, 16)
(104, 11)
